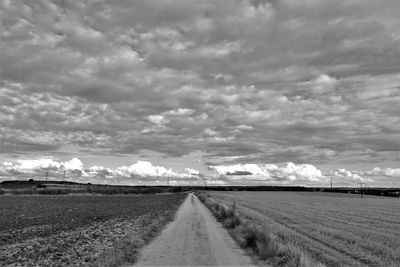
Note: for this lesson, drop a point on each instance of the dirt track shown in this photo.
(194, 238)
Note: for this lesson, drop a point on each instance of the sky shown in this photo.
(278, 92)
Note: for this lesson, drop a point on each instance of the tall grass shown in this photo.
(254, 237)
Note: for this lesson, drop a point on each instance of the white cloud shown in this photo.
(298, 173)
(322, 84)
(242, 170)
(27, 165)
(73, 164)
(301, 172)
(392, 172)
(180, 112)
(210, 132)
(99, 171)
(147, 169)
(7, 164)
(37, 164)
(158, 119)
(386, 172)
(350, 176)
(292, 172)
(192, 171)
(245, 127)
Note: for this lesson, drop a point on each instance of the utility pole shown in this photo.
(64, 176)
(361, 189)
(331, 184)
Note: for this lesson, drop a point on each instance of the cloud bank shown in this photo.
(236, 81)
(74, 168)
(271, 172)
(142, 171)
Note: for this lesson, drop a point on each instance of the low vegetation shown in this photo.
(80, 230)
(305, 229)
(43, 187)
(255, 238)
(32, 187)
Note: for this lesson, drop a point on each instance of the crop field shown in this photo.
(333, 229)
(72, 230)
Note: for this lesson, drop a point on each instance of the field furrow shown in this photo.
(335, 229)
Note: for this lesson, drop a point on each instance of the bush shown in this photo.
(249, 237)
(232, 222)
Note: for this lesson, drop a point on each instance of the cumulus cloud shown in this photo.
(390, 172)
(291, 172)
(73, 164)
(301, 172)
(75, 169)
(347, 177)
(99, 171)
(343, 173)
(192, 171)
(43, 164)
(147, 169)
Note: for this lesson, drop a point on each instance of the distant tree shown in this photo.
(31, 180)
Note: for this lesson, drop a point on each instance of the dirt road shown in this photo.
(194, 238)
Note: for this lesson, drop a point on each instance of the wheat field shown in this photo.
(334, 229)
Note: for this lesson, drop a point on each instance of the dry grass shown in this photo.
(254, 237)
(334, 229)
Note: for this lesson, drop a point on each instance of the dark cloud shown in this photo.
(239, 173)
(15, 145)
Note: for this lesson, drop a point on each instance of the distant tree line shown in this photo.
(65, 187)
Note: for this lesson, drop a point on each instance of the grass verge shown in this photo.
(252, 235)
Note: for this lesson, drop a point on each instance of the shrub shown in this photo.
(249, 237)
(232, 222)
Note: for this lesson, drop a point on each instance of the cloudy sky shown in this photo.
(201, 91)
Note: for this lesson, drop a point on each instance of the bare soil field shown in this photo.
(333, 229)
(80, 230)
